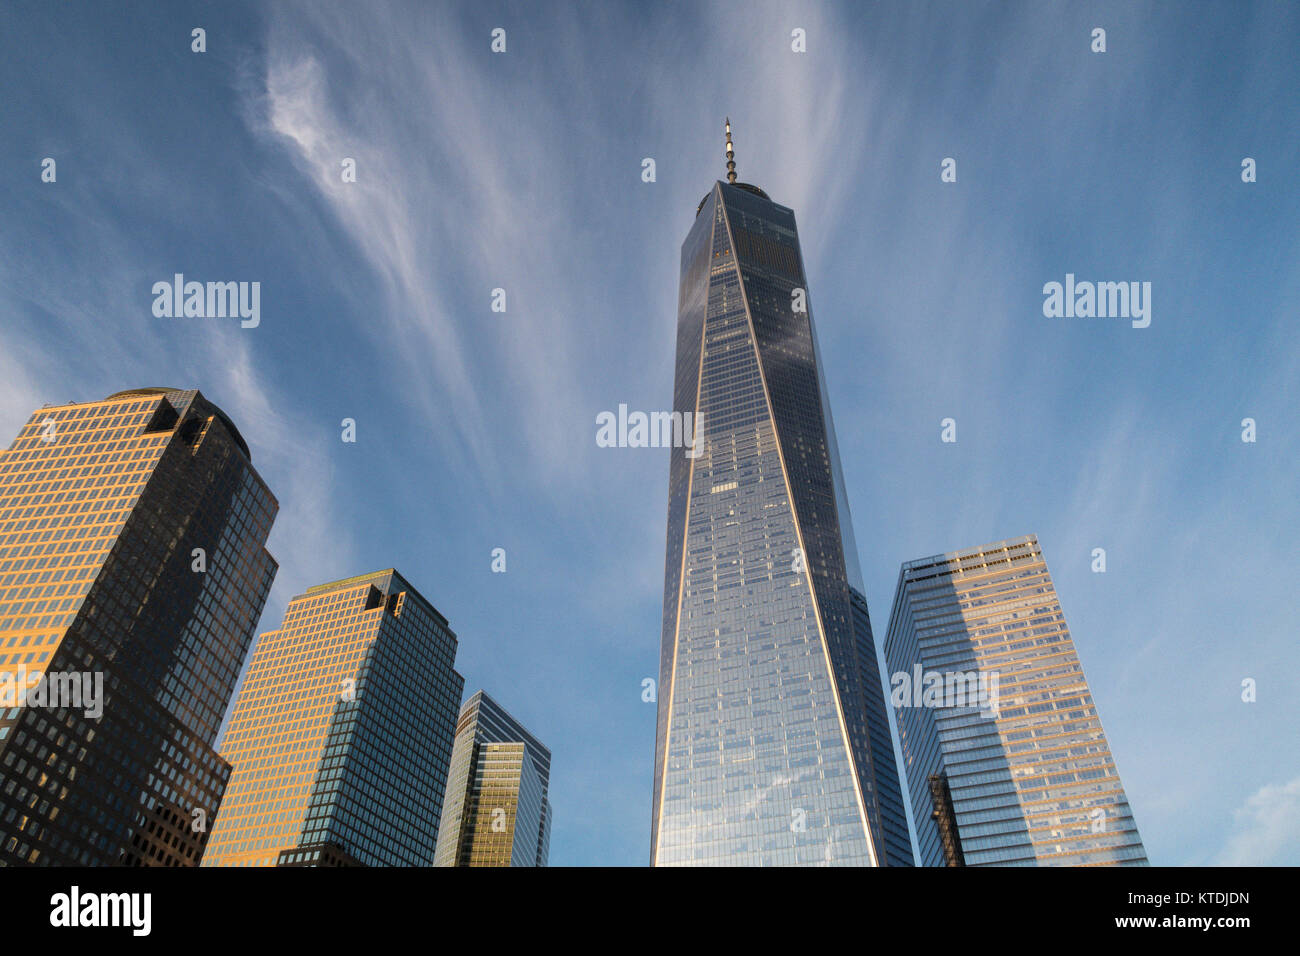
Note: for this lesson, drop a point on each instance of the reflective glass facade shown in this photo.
(498, 807)
(132, 553)
(342, 732)
(773, 743)
(1032, 780)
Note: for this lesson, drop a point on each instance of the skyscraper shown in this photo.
(133, 570)
(1024, 776)
(773, 743)
(342, 732)
(498, 807)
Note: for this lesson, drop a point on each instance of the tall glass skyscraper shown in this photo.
(1024, 776)
(342, 732)
(773, 743)
(132, 560)
(498, 805)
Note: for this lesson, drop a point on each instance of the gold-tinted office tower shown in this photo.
(342, 732)
(498, 792)
(133, 570)
(1005, 755)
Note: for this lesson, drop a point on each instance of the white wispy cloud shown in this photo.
(446, 208)
(1266, 828)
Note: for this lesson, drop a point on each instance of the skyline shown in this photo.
(1068, 163)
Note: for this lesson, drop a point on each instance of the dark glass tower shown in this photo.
(773, 743)
(132, 557)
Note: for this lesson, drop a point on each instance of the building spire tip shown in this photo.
(731, 155)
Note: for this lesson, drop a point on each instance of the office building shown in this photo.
(342, 732)
(498, 809)
(773, 744)
(133, 571)
(1005, 756)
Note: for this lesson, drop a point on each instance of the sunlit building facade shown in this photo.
(773, 744)
(1025, 777)
(342, 732)
(133, 568)
(498, 810)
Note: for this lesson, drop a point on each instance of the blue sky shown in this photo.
(522, 171)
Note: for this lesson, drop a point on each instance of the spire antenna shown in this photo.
(731, 155)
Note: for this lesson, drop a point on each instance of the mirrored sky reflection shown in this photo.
(522, 171)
